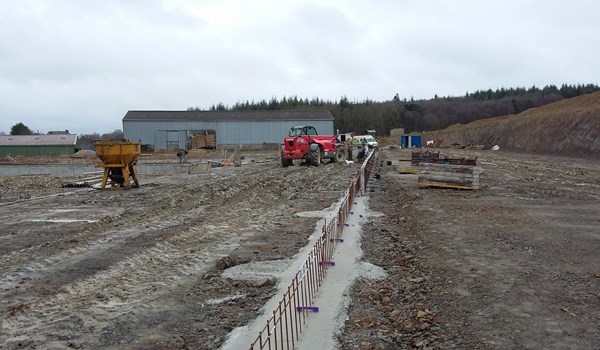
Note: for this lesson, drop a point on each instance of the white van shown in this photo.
(356, 140)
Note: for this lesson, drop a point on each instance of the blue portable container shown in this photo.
(410, 141)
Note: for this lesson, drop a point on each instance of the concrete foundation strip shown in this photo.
(283, 329)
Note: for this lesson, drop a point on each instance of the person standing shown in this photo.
(363, 144)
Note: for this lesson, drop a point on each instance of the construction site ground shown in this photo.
(514, 265)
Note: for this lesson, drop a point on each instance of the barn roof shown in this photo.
(212, 116)
(38, 140)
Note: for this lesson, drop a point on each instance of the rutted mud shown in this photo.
(140, 268)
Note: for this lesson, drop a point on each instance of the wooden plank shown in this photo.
(448, 185)
(450, 167)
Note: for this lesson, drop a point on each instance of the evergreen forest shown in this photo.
(419, 115)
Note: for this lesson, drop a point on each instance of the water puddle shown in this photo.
(63, 221)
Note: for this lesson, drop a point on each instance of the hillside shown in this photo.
(568, 127)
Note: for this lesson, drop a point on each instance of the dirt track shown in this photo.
(514, 265)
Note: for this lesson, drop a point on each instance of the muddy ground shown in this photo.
(140, 268)
(515, 265)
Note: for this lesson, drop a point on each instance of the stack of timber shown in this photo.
(449, 176)
(204, 141)
(427, 156)
(434, 157)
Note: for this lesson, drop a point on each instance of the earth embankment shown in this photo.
(569, 127)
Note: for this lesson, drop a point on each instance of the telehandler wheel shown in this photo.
(341, 155)
(286, 162)
(315, 157)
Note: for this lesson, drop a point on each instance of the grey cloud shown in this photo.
(80, 65)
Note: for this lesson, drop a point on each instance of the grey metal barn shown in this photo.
(250, 129)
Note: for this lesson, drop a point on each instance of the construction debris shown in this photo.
(7, 159)
(86, 182)
(84, 153)
(198, 167)
(477, 147)
(425, 156)
(449, 176)
(236, 158)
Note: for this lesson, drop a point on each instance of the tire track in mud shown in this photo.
(123, 270)
(119, 219)
(101, 236)
(128, 287)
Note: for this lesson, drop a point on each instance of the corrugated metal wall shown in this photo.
(163, 135)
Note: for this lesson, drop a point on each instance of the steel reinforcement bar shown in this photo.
(284, 326)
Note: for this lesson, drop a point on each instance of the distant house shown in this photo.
(228, 129)
(13, 145)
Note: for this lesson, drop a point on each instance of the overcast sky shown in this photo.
(82, 64)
